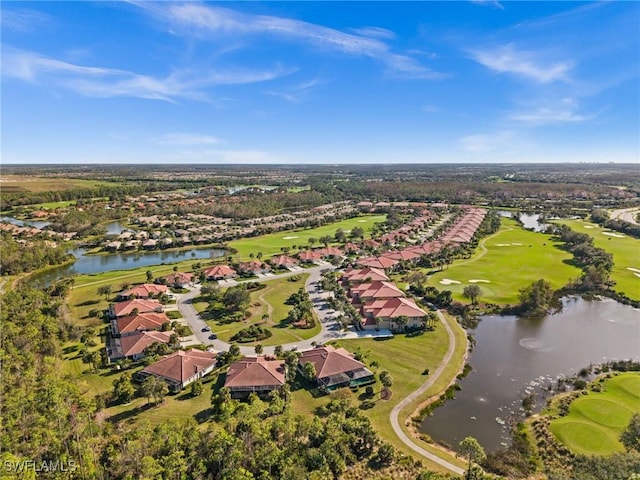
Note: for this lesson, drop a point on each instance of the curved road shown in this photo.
(413, 396)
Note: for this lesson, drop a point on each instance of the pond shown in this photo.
(530, 221)
(105, 263)
(515, 356)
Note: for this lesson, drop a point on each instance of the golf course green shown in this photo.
(596, 421)
(625, 251)
(506, 262)
(272, 244)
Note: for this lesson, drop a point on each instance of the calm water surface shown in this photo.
(513, 356)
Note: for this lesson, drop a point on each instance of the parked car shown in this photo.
(206, 329)
(213, 336)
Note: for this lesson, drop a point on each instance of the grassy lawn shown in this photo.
(84, 295)
(507, 261)
(25, 183)
(625, 251)
(595, 421)
(275, 295)
(270, 244)
(405, 358)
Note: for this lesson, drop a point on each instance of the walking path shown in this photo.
(395, 424)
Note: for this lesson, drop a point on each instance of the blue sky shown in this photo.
(325, 82)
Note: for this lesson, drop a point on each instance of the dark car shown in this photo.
(213, 336)
(206, 329)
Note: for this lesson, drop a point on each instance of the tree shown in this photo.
(386, 381)
(105, 290)
(535, 300)
(630, 438)
(123, 391)
(197, 388)
(258, 349)
(472, 292)
(154, 387)
(357, 232)
(473, 452)
(277, 350)
(149, 276)
(326, 240)
(175, 268)
(402, 322)
(309, 370)
(312, 240)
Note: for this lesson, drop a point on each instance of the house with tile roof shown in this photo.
(381, 262)
(138, 322)
(122, 309)
(364, 275)
(254, 267)
(365, 292)
(220, 272)
(145, 290)
(284, 261)
(179, 279)
(180, 368)
(133, 346)
(255, 375)
(335, 368)
(384, 313)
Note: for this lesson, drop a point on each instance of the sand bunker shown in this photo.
(362, 221)
(612, 234)
(478, 280)
(288, 238)
(518, 244)
(636, 274)
(637, 270)
(448, 281)
(502, 244)
(589, 226)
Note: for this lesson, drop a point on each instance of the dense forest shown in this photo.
(28, 255)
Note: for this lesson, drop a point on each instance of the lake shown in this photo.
(514, 356)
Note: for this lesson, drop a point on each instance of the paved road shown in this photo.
(626, 214)
(413, 396)
(326, 317)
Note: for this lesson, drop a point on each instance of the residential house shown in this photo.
(377, 262)
(336, 367)
(138, 322)
(255, 375)
(384, 313)
(220, 272)
(133, 346)
(365, 292)
(179, 279)
(122, 309)
(254, 267)
(310, 256)
(145, 290)
(364, 275)
(181, 368)
(284, 261)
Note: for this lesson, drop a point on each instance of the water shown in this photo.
(513, 356)
(114, 228)
(530, 221)
(30, 223)
(87, 264)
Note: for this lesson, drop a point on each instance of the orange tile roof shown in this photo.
(136, 343)
(329, 361)
(255, 372)
(393, 308)
(142, 305)
(144, 290)
(141, 321)
(180, 366)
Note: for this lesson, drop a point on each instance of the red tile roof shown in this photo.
(142, 305)
(377, 262)
(179, 278)
(136, 343)
(145, 290)
(142, 321)
(393, 308)
(329, 361)
(220, 271)
(377, 290)
(284, 261)
(180, 366)
(255, 372)
(364, 274)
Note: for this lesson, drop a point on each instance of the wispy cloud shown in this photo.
(109, 82)
(374, 32)
(22, 19)
(489, 3)
(206, 21)
(488, 142)
(298, 92)
(563, 111)
(508, 59)
(188, 139)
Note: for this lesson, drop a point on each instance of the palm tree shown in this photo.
(472, 292)
(258, 349)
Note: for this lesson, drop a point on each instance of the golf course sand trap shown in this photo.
(502, 244)
(589, 226)
(636, 270)
(448, 281)
(362, 221)
(612, 234)
(288, 238)
(517, 244)
(636, 274)
(478, 280)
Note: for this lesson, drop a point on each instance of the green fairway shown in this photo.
(625, 251)
(506, 262)
(271, 244)
(595, 421)
(270, 301)
(406, 358)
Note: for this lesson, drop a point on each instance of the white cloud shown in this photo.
(23, 20)
(108, 82)
(488, 142)
(489, 3)
(507, 59)
(193, 19)
(298, 92)
(565, 110)
(374, 32)
(191, 139)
